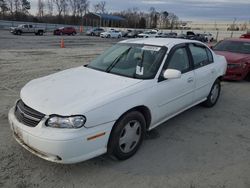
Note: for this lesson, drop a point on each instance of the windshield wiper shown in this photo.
(113, 64)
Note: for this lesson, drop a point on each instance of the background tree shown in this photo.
(82, 7)
(25, 6)
(40, 8)
(3, 8)
(100, 7)
(50, 7)
(59, 7)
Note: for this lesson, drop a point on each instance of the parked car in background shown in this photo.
(192, 36)
(209, 37)
(125, 33)
(27, 28)
(65, 31)
(237, 53)
(135, 86)
(95, 31)
(148, 34)
(111, 34)
(134, 34)
(166, 35)
(246, 36)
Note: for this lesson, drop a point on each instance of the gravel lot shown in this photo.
(199, 148)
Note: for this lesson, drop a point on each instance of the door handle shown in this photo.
(190, 80)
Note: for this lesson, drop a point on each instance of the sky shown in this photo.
(186, 10)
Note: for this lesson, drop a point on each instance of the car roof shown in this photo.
(159, 41)
(238, 39)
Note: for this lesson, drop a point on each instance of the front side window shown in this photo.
(201, 55)
(130, 60)
(179, 60)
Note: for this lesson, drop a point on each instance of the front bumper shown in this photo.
(235, 74)
(61, 145)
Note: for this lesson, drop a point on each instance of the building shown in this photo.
(103, 20)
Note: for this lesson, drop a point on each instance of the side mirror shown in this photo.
(171, 74)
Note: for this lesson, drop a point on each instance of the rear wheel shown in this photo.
(108, 36)
(127, 135)
(214, 94)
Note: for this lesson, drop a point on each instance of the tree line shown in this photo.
(72, 11)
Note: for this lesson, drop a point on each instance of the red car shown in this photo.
(65, 31)
(237, 53)
(246, 36)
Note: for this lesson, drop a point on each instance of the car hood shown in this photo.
(77, 88)
(233, 57)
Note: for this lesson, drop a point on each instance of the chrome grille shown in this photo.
(27, 115)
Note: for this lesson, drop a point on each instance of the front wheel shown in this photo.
(18, 32)
(214, 94)
(127, 135)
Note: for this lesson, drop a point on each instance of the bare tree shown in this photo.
(3, 7)
(173, 19)
(17, 6)
(100, 7)
(82, 7)
(40, 8)
(65, 7)
(73, 6)
(59, 7)
(25, 4)
(50, 7)
(10, 6)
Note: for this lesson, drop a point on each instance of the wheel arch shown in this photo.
(145, 111)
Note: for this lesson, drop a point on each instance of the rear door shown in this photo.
(204, 70)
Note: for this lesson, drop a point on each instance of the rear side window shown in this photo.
(201, 55)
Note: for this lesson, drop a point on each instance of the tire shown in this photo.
(92, 34)
(121, 144)
(247, 78)
(214, 95)
(74, 33)
(119, 36)
(40, 33)
(108, 36)
(19, 32)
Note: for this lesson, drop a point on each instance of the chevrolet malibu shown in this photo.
(108, 105)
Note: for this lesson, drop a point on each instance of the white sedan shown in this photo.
(111, 34)
(148, 34)
(109, 104)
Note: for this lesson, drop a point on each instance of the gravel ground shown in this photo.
(199, 148)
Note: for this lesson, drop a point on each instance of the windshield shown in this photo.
(130, 60)
(233, 46)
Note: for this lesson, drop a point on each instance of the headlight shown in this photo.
(71, 122)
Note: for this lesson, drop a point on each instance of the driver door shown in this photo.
(175, 95)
